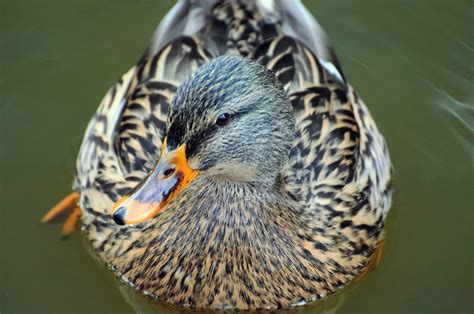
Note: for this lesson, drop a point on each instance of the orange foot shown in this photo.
(377, 255)
(374, 261)
(62, 208)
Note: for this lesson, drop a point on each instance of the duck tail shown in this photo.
(299, 23)
(239, 25)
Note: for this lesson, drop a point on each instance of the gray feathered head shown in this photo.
(234, 118)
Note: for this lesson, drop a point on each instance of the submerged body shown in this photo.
(290, 185)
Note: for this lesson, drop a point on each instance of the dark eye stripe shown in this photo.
(194, 142)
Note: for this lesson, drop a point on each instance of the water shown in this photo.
(412, 62)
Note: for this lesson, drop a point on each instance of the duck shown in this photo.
(233, 167)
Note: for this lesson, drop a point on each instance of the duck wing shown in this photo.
(338, 169)
(339, 161)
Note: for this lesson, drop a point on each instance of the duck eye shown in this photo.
(223, 119)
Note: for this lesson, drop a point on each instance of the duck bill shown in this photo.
(169, 177)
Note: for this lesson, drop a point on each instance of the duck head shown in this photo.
(230, 120)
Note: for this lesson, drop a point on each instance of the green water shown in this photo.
(412, 62)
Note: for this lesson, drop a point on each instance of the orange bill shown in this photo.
(169, 177)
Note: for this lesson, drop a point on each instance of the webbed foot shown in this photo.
(62, 208)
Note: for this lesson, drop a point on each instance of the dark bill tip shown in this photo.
(119, 216)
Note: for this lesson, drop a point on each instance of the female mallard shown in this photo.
(234, 167)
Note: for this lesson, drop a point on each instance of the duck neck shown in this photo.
(248, 194)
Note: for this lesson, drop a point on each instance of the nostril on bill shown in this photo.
(168, 172)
